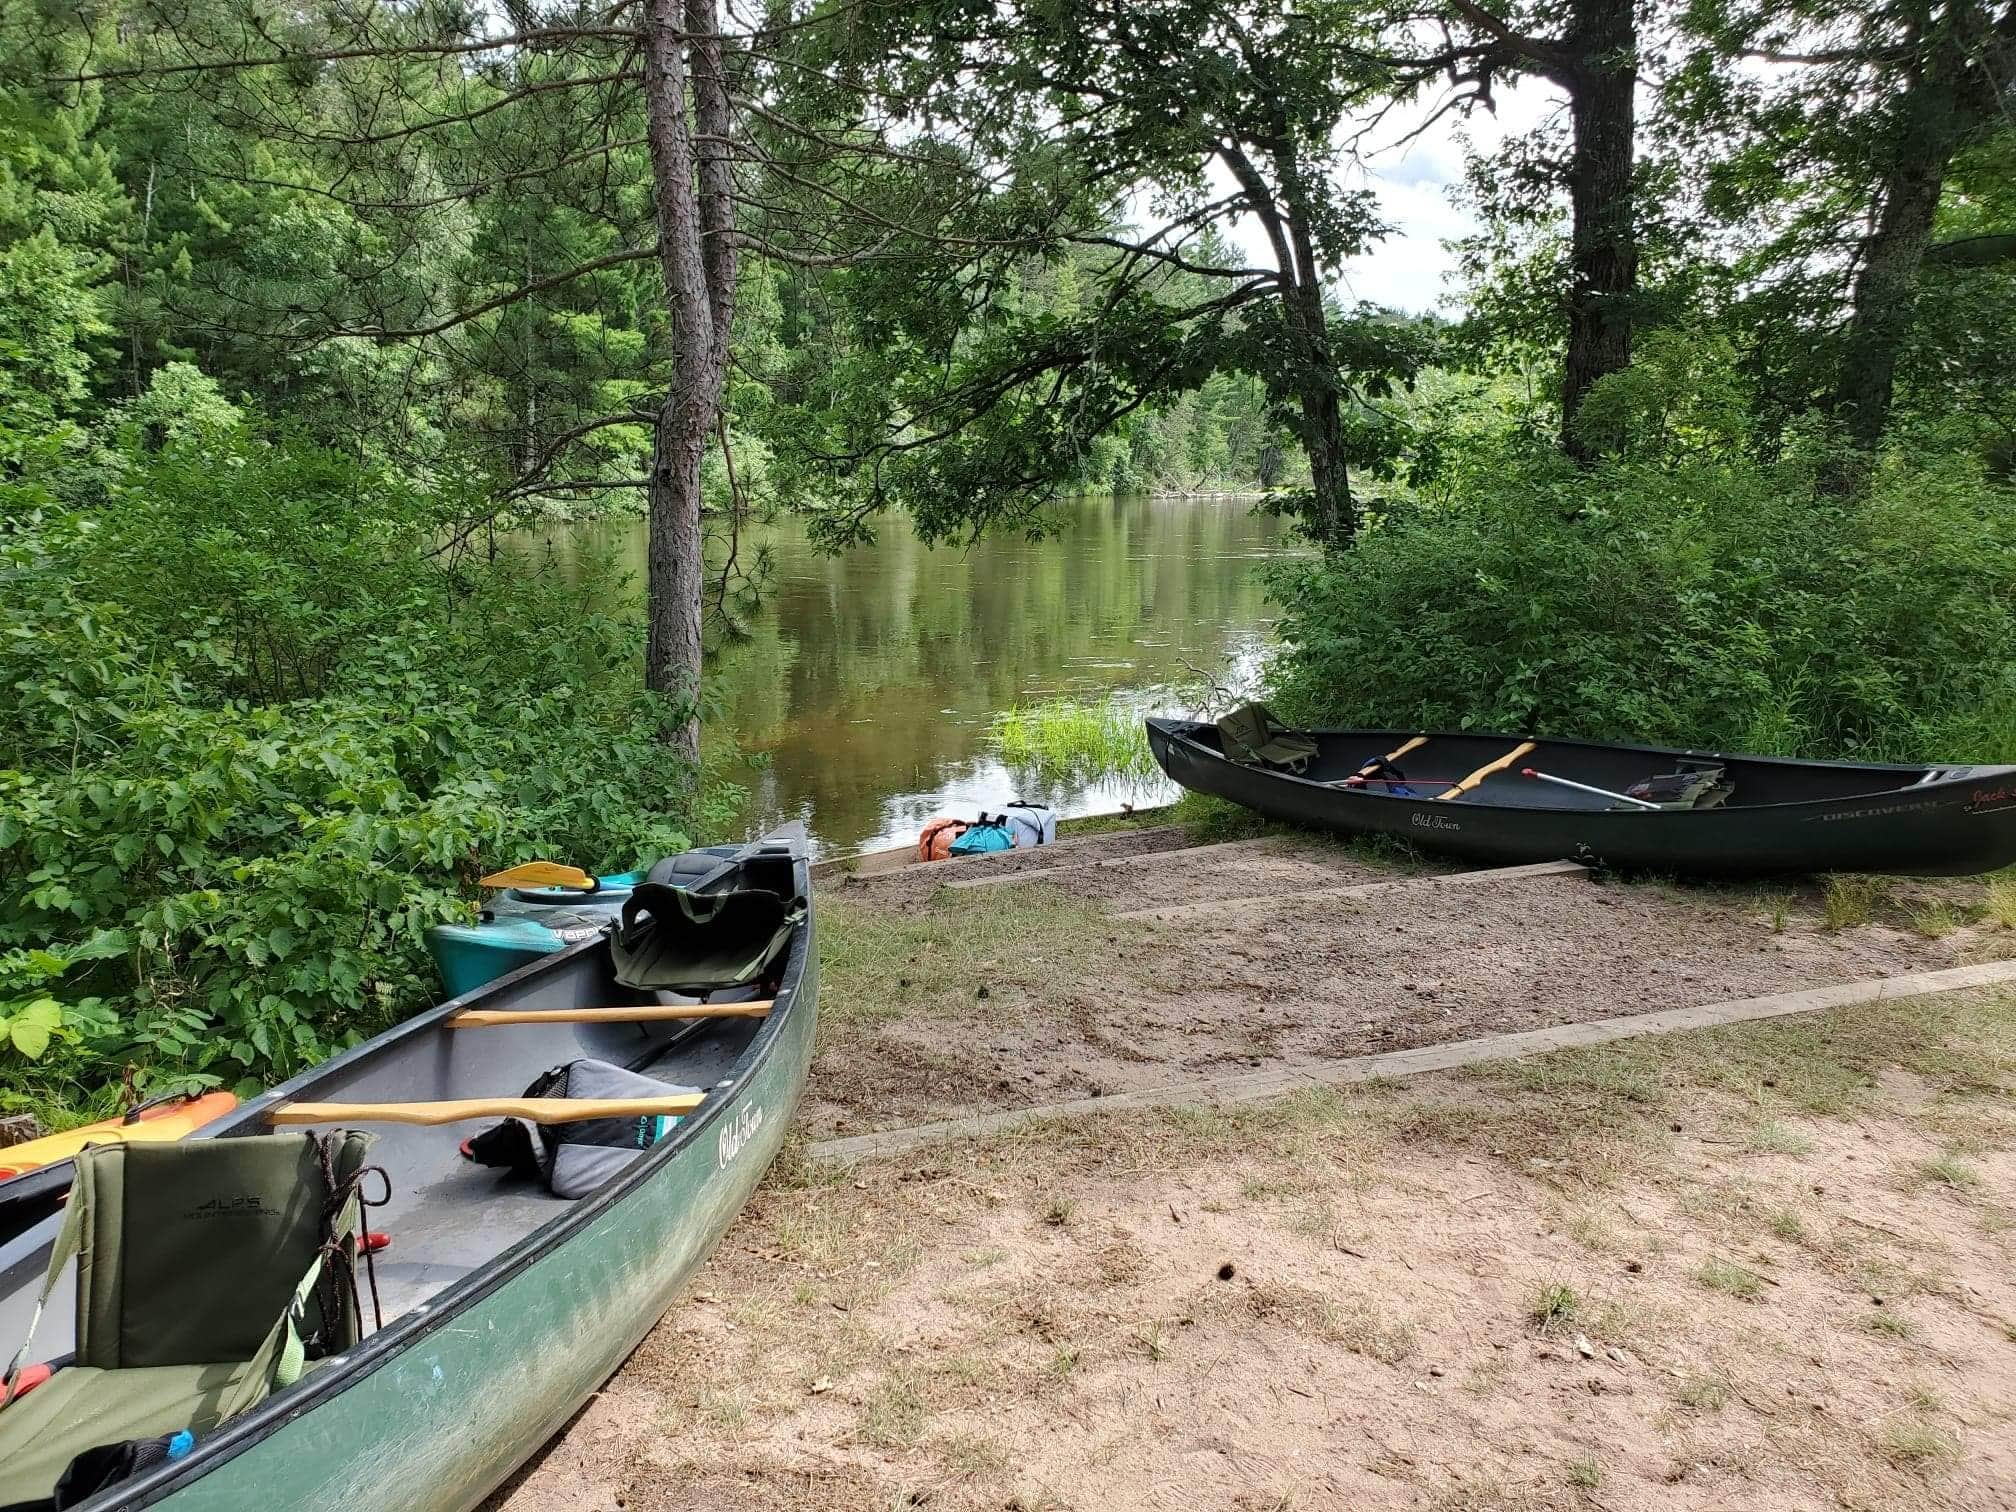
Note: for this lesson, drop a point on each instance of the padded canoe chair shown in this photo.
(208, 1273)
(673, 940)
(1252, 736)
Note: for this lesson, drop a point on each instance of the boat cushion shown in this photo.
(673, 940)
(81, 1407)
(1253, 736)
(575, 1159)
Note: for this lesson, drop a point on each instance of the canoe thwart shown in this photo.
(1486, 770)
(633, 1013)
(538, 1110)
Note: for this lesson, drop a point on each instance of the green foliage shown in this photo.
(1677, 593)
(256, 734)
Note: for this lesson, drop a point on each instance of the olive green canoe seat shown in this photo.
(673, 940)
(201, 1288)
(1254, 737)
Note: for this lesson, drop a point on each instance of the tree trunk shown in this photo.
(1603, 248)
(1886, 284)
(674, 556)
(1332, 520)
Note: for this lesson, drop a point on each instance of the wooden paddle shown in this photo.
(540, 874)
(1389, 758)
(539, 1110)
(1486, 770)
(634, 1013)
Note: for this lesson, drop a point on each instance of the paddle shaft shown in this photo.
(1390, 756)
(1486, 770)
(539, 1110)
(1583, 787)
(637, 1013)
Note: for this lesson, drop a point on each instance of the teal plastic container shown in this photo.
(521, 924)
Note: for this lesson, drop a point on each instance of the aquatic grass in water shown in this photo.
(1068, 742)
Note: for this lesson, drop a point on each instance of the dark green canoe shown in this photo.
(505, 1307)
(1770, 814)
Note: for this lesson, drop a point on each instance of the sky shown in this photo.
(1410, 269)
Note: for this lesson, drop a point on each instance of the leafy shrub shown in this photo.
(254, 740)
(1686, 599)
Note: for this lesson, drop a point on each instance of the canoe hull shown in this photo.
(1955, 827)
(435, 1411)
(445, 1420)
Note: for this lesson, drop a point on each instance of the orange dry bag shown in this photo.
(935, 844)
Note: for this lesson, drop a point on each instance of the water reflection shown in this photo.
(871, 678)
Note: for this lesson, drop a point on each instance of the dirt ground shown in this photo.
(1766, 1266)
(940, 1002)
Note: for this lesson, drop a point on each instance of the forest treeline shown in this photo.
(301, 306)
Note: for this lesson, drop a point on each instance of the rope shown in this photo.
(340, 1248)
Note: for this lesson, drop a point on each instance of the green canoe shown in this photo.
(505, 1307)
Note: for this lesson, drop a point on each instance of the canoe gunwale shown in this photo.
(1952, 774)
(573, 1216)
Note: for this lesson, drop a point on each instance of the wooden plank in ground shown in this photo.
(1169, 912)
(1254, 1085)
(1043, 873)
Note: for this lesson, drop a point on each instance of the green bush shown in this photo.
(254, 739)
(1684, 599)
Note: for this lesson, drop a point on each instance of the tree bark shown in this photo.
(1332, 520)
(1602, 85)
(675, 568)
(1928, 133)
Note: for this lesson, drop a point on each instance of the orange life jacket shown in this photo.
(935, 843)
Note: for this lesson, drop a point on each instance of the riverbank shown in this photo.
(1764, 1265)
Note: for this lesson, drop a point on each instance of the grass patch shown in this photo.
(1913, 1443)
(1773, 1138)
(1584, 1472)
(1116, 824)
(1949, 1170)
(893, 1416)
(1066, 742)
(1787, 1225)
(1704, 1393)
(1847, 902)
(1731, 1280)
(1935, 920)
(1554, 1305)
(1364, 1331)
(1888, 1323)
(876, 965)
(968, 1455)
(2000, 901)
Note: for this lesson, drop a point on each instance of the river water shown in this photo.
(871, 679)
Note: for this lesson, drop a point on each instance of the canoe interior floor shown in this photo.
(454, 1216)
(447, 1216)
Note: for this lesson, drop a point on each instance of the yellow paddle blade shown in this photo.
(538, 874)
